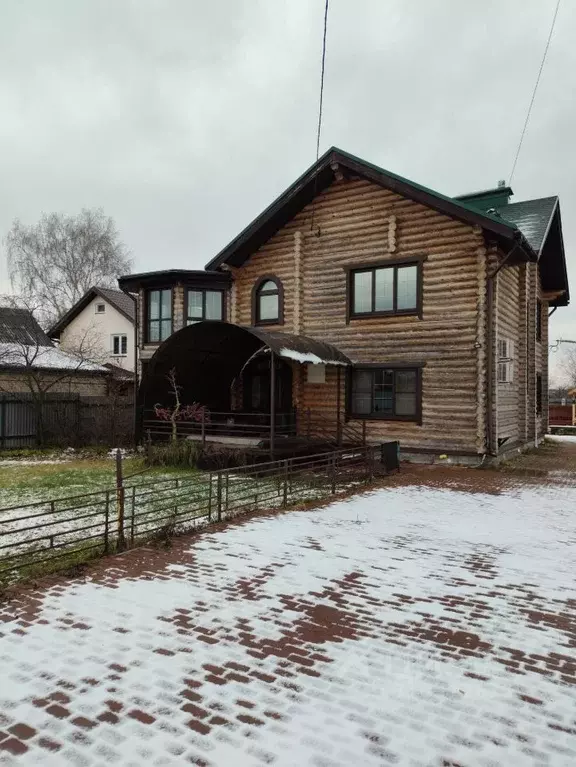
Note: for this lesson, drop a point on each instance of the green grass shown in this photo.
(22, 482)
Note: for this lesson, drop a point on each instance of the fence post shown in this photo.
(210, 498)
(203, 428)
(219, 496)
(285, 490)
(370, 460)
(333, 471)
(3, 422)
(133, 520)
(106, 521)
(121, 542)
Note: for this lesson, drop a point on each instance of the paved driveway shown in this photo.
(424, 624)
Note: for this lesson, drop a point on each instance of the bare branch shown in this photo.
(54, 262)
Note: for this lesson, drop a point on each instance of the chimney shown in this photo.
(489, 198)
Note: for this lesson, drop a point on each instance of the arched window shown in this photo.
(267, 302)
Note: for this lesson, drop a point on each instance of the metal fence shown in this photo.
(56, 534)
(69, 420)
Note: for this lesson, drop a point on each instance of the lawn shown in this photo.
(23, 481)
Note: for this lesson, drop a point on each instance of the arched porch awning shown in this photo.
(208, 355)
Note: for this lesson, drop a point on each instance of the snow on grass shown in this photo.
(155, 502)
(426, 562)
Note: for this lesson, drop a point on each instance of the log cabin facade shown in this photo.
(430, 313)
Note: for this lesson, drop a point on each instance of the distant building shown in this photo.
(102, 320)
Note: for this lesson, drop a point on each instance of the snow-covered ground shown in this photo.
(409, 626)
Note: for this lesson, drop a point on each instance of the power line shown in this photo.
(534, 91)
(319, 130)
(322, 80)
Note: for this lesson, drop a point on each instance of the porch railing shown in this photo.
(306, 423)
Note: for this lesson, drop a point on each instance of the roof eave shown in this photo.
(379, 176)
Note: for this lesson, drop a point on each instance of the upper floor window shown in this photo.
(267, 302)
(158, 315)
(390, 289)
(120, 345)
(100, 308)
(204, 305)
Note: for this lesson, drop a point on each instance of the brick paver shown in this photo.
(431, 622)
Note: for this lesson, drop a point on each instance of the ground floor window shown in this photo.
(385, 392)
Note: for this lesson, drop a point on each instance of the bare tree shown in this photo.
(54, 262)
(30, 363)
(570, 367)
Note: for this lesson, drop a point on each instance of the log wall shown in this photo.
(508, 326)
(356, 222)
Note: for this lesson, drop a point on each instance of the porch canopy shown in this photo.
(209, 355)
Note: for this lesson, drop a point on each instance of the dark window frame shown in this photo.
(147, 319)
(257, 292)
(539, 312)
(193, 288)
(417, 261)
(395, 366)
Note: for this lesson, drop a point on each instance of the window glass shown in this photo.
(213, 305)
(268, 285)
(268, 307)
(166, 303)
(384, 292)
(383, 392)
(154, 304)
(407, 287)
(362, 392)
(405, 392)
(362, 292)
(124, 345)
(194, 305)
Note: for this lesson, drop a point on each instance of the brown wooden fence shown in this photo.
(67, 420)
(562, 415)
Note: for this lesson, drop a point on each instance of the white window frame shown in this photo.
(505, 367)
(119, 336)
(97, 308)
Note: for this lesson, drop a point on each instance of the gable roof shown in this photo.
(18, 326)
(320, 175)
(121, 301)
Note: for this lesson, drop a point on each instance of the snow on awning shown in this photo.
(301, 349)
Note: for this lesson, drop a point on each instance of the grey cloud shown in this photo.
(183, 119)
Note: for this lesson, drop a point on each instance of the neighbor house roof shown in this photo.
(120, 300)
(320, 175)
(16, 356)
(18, 326)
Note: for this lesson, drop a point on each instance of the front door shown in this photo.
(257, 386)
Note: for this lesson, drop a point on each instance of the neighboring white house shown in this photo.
(103, 322)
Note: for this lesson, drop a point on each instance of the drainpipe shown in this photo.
(490, 363)
(135, 397)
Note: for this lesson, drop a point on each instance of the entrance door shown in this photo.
(257, 387)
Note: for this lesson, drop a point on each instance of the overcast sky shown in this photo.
(184, 118)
